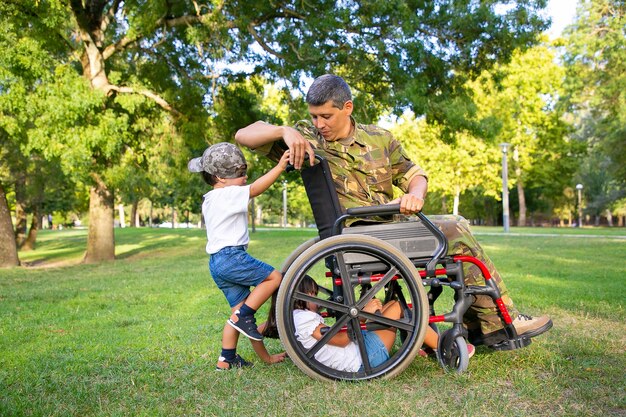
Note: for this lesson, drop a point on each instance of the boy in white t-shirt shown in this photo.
(225, 211)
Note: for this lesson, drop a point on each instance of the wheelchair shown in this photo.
(392, 261)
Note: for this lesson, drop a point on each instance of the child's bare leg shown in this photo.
(391, 310)
(262, 292)
(230, 337)
(256, 298)
(432, 338)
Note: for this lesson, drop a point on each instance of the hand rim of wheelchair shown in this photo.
(415, 326)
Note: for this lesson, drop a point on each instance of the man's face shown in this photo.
(332, 123)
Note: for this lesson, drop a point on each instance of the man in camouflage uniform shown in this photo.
(365, 162)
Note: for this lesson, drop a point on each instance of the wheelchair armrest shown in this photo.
(381, 210)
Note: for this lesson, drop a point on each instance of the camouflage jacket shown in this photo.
(364, 166)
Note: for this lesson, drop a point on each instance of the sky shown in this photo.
(562, 13)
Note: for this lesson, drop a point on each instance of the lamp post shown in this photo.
(505, 187)
(579, 187)
(284, 203)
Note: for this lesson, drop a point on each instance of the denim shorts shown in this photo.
(235, 271)
(376, 350)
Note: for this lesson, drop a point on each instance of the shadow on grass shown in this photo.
(67, 247)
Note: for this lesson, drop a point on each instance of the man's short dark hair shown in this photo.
(326, 88)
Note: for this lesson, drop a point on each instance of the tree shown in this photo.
(116, 60)
(522, 97)
(596, 93)
(453, 167)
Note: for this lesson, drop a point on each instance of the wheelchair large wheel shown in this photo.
(362, 267)
(452, 353)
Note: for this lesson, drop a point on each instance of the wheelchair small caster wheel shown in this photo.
(452, 353)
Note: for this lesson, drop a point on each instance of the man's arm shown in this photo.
(261, 133)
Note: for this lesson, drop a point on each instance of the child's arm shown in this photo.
(261, 351)
(341, 339)
(263, 183)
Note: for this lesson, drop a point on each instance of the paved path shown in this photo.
(474, 232)
(549, 235)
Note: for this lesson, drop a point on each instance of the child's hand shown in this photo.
(279, 357)
(284, 160)
(373, 306)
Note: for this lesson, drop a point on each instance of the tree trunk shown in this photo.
(31, 240)
(120, 209)
(8, 249)
(134, 215)
(100, 239)
(455, 203)
(21, 222)
(521, 220)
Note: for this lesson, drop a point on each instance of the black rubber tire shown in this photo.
(452, 353)
(312, 262)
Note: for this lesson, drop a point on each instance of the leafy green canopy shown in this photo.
(415, 54)
(595, 60)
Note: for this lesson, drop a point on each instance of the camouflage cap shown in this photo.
(223, 159)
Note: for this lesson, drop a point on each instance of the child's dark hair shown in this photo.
(307, 286)
(209, 178)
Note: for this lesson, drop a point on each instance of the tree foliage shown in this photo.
(99, 84)
(596, 66)
(522, 97)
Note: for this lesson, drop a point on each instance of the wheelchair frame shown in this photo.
(358, 258)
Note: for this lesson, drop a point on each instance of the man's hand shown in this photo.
(409, 204)
(299, 147)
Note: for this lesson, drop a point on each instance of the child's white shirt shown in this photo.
(225, 212)
(347, 359)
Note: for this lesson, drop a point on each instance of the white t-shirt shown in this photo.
(347, 359)
(225, 212)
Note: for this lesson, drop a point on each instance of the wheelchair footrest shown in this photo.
(511, 344)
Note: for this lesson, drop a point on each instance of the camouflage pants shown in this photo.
(483, 313)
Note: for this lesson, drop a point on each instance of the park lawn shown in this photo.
(140, 336)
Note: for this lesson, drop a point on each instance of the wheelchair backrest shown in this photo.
(320, 189)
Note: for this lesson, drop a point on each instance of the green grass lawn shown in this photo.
(140, 336)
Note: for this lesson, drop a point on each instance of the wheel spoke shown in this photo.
(334, 329)
(328, 304)
(345, 278)
(377, 288)
(402, 324)
(360, 341)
